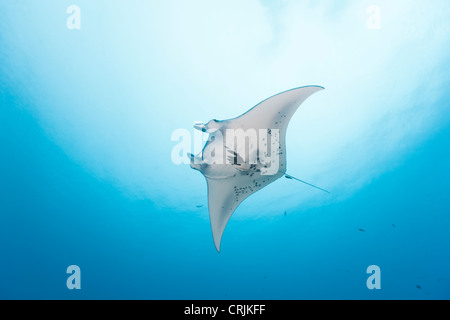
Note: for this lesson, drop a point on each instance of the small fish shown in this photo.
(362, 230)
(199, 206)
(285, 213)
(419, 287)
(393, 225)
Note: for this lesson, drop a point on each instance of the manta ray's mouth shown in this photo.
(194, 162)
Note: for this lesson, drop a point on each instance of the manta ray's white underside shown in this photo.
(245, 154)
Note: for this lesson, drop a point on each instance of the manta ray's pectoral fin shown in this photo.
(224, 196)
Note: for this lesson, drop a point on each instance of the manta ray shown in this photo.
(244, 154)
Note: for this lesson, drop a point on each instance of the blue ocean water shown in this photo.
(87, 179)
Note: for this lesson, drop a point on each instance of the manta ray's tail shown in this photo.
(309, 184)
